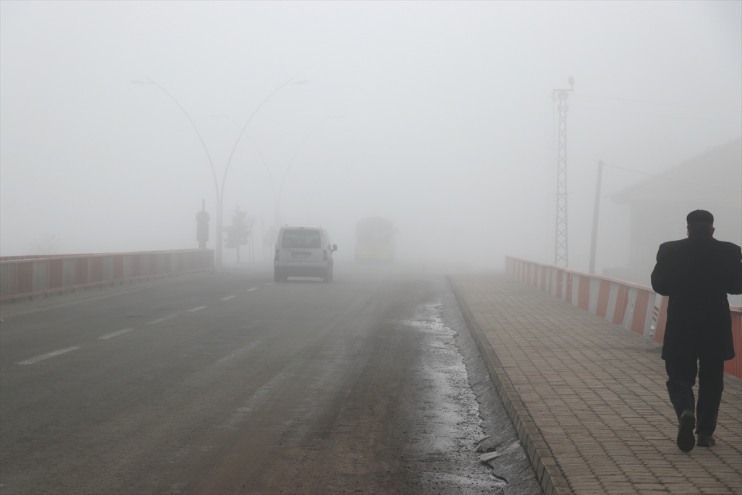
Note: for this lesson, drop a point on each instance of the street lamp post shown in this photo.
(219, 187)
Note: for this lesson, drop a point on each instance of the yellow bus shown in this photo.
(375, 240)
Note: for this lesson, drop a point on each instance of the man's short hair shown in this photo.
(700, 218)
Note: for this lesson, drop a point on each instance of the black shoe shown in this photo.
(705, 441)
(686, 439)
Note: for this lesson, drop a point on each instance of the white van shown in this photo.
(303, 252)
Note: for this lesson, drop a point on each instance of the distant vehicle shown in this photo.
(303, 252)
(375, 240)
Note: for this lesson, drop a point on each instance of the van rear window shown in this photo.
(301, 239)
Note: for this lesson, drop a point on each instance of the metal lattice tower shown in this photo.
(561, 257)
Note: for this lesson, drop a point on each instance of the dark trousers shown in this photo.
(681, 376)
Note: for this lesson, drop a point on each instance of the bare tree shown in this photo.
(48, 244)
(239, 232)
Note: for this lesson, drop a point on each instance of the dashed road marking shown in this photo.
(48, 355)
(115, 334)
(160, 320)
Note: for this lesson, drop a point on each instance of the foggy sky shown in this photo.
(437, 115)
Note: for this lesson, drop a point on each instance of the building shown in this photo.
(711, 181)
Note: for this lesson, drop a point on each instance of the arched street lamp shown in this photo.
(219, 187)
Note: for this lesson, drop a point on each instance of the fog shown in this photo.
(437, 115)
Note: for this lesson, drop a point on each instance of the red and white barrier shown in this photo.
(634, 307)
(24, 278)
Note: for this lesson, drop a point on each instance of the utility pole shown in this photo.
(596, 214)
(560, 96)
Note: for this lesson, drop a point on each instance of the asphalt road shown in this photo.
(230, 383)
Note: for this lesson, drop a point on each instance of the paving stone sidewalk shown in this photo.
(588, 397)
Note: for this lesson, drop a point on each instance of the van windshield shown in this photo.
(301, 239)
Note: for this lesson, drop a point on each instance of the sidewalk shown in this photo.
(588, 397)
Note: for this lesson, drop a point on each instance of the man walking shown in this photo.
(697, 273)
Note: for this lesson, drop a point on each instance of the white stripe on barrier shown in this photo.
(629, 314)
(648, 328)
(610, 311)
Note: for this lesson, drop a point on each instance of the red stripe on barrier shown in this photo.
(118, 267)
(603, 293)
(82, 271)
(734, 366)
(583, 293)
(622, 301)
(96, 270)
(23, 277)
(56, 273)
(641, 311)
(40, 276)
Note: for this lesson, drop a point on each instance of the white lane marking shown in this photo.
(228, 298)
(197, 308)
(252, 289)
(160, 320)
(48, 355)
(115, 334)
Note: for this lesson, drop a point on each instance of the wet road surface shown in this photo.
(230, 383)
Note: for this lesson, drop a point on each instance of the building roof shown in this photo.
(714, 176)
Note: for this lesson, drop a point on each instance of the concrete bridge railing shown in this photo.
(635, 307)
(35, 276)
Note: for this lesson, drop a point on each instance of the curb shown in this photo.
(548, 473)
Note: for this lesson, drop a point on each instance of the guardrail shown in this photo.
(635, 307)
(35, 276)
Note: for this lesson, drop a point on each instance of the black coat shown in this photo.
(697, 273)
